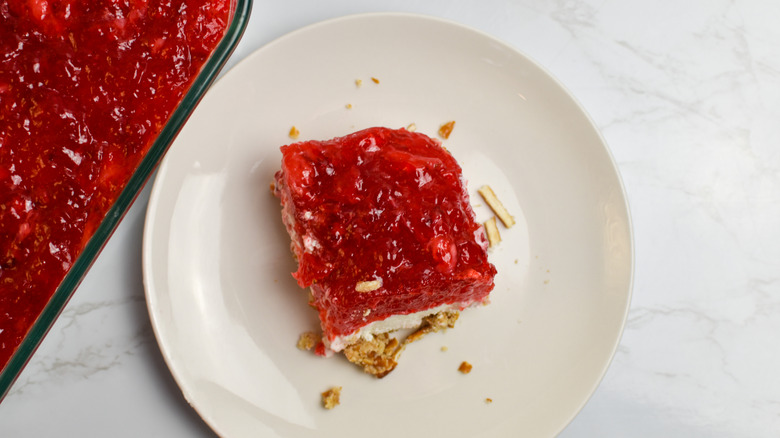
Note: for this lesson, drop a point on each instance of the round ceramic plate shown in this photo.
(217, 262)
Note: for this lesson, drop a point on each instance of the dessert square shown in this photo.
(383, 231)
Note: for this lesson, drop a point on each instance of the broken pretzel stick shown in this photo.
(492, 232)
(498, 208)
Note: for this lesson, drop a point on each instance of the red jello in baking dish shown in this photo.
(384, 234)
(91, 94)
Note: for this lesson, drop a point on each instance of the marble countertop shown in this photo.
(687, 95)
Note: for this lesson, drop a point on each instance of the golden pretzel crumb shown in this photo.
(294, 133)
(330, 398)
(432, 324)
(378, 356)
(375, 80)
(446, 129)
(307, 341)
(465, 367)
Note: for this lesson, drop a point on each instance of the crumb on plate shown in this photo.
(294, 133)
(465, 367)
(446, 129)
(307, 341)
(330, 398)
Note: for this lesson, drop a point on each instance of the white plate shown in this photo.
(217, 263)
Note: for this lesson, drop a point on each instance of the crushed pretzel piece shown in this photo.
(446, 129)
(465, 367)
(294, 133)
(498, 208)
(412, 127)
(330, 398)
(358, 83)
(375, 80)
(432, 324)
(368, 286)
(494, 237)
(378, 356)
(348, 106)
(488, 400)
(307, 341)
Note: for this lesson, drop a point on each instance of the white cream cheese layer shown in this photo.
(389, 324)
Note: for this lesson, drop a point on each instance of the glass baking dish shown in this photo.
(238, 18)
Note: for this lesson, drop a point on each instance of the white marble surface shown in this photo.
(687, 94)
